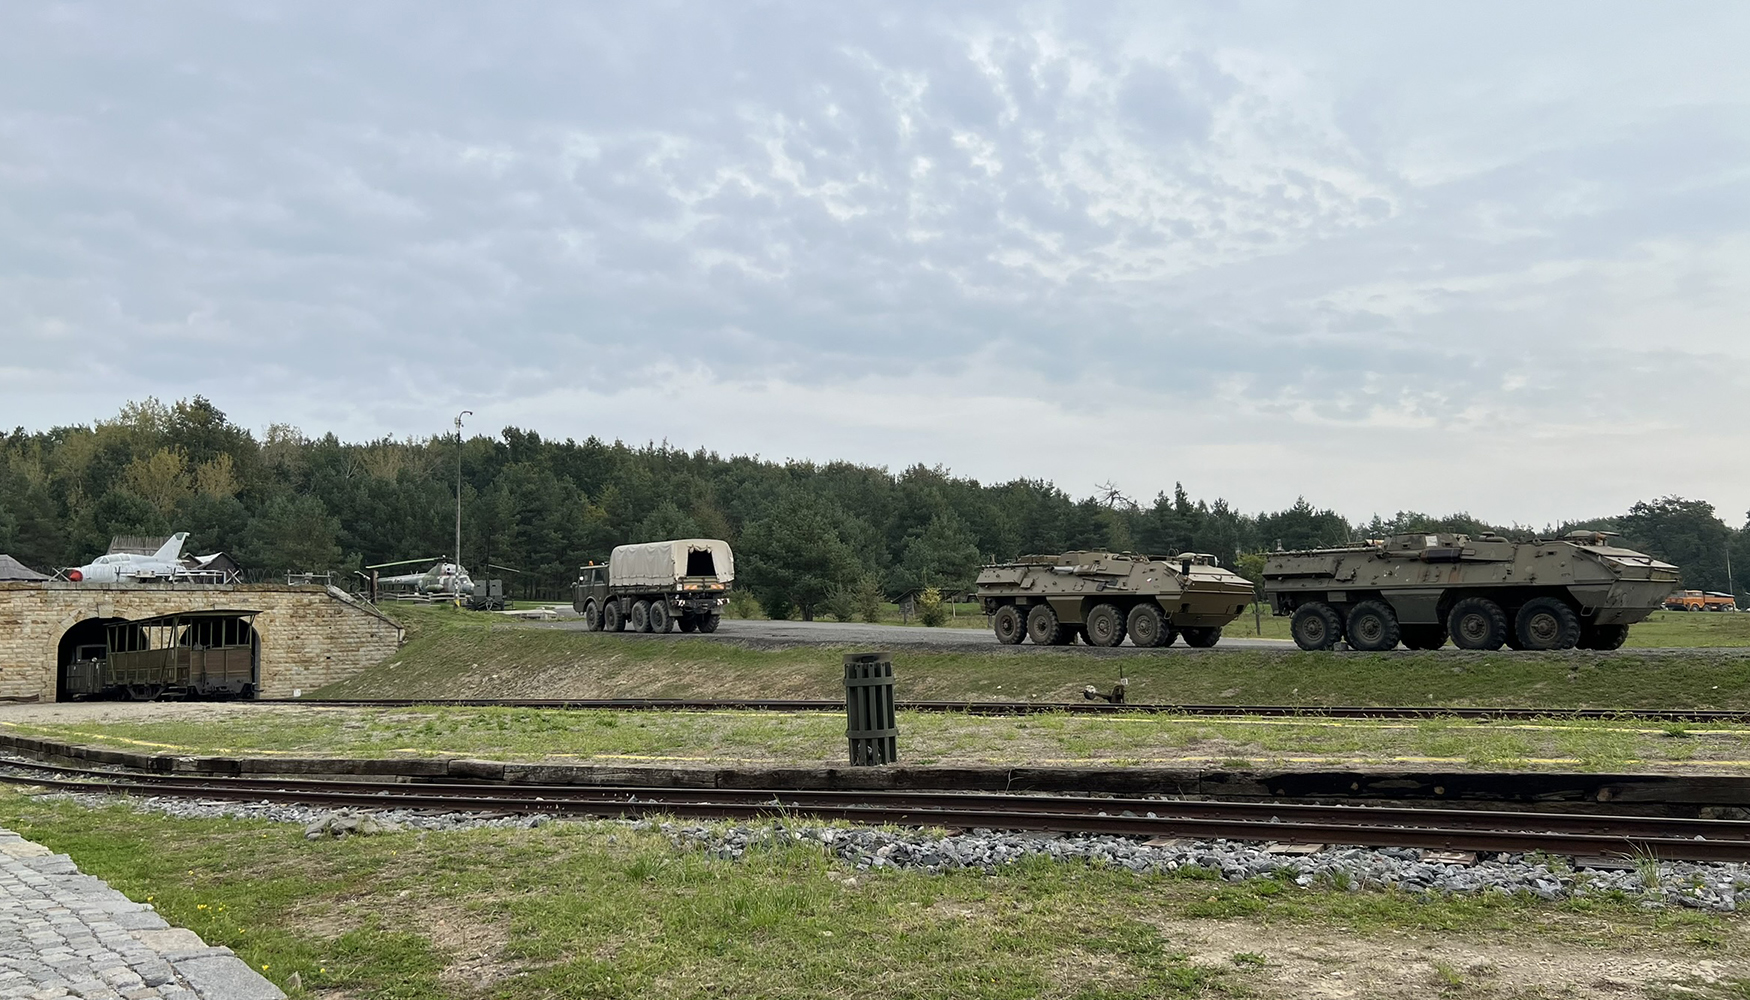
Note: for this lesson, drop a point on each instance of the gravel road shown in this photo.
(769, 634)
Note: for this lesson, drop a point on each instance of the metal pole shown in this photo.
(458, 556)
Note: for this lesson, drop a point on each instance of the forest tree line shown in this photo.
(803, 532)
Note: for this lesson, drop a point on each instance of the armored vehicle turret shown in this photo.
(1101, 597)
(1482, 593)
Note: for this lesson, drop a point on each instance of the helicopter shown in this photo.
(444, 577)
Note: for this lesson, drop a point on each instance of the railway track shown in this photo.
(1041, 708)
(1588, 834)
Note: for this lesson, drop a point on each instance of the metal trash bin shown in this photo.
(870, 723)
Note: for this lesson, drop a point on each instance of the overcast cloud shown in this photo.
(1386, 256)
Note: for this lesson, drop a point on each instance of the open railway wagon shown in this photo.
(201, 654)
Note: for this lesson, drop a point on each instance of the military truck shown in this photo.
(1102, 597)
(1482, 593)
(654, 586)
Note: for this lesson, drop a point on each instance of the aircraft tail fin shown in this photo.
(172, 550)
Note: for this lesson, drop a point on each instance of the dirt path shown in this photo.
(1334, 962)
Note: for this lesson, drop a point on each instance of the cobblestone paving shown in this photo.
(65, 934)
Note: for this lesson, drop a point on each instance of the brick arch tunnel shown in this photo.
(83, 641)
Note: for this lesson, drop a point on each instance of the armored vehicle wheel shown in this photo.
(709, 623)
(1423, 636)
(1477, 623)
(1009, 624)
(1373, 627)
(1315, 626)
(1202, 637)
(1042, 626)
(1547, 623)
(1105, 625)
(1602, 636)
(688, 623)
(1145, 626)
(640, 616)
(612, 620)
(1169, 635)
(592, 617)
(661, 621)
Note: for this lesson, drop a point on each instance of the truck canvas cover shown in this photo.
(659, 565)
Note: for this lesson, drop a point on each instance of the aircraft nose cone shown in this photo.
(75, 576)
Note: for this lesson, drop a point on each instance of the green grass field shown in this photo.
(461, 654)
(817, 738)
(575, 910)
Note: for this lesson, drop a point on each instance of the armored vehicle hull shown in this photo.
(1481, 593)
(1104, 597)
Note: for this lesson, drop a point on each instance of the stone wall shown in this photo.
(310, 636)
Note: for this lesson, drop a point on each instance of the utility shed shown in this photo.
(11, 569)
(658, 565)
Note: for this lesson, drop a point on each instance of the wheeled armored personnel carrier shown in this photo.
(1482, 593)
(1102, 597)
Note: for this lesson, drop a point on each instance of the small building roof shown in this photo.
(186, 616)
(12, 569)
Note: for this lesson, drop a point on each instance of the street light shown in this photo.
(458, 556)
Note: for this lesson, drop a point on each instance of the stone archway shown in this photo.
(84, 640)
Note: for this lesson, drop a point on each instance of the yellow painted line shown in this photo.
(1466, 725)
(98, 736)
(1368, 760)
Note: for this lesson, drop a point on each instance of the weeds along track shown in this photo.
(1039, 708)
(1589, 834)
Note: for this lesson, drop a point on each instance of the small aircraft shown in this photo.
(165, 564)
(443, 578)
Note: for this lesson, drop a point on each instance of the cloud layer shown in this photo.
(1383, 257)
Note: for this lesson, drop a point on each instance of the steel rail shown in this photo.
(1677, 839)
(1039, 708)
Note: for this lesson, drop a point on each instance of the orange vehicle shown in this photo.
(1701, 600)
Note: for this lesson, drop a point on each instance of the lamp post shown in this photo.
(458, 556)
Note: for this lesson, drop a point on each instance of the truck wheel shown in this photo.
(1105, 625)
(1477, 623)
(592, 617)
(1315, 626)
(1423, 636)
(1145, 626)
(1602, 636)
(1201, 637)
(612, 620)
(1373, 627)
(1547, 623)
(1009, 624)
(1042, 626)
(660, 621)
(688, 623)
(708, 623)
(640, 616)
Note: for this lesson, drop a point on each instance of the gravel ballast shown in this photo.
(1717, 887)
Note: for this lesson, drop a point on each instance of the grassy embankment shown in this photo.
(718, 738)
(452, 654)
(599, 910)
(1664, 630)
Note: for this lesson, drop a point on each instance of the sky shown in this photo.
(1491, 258)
